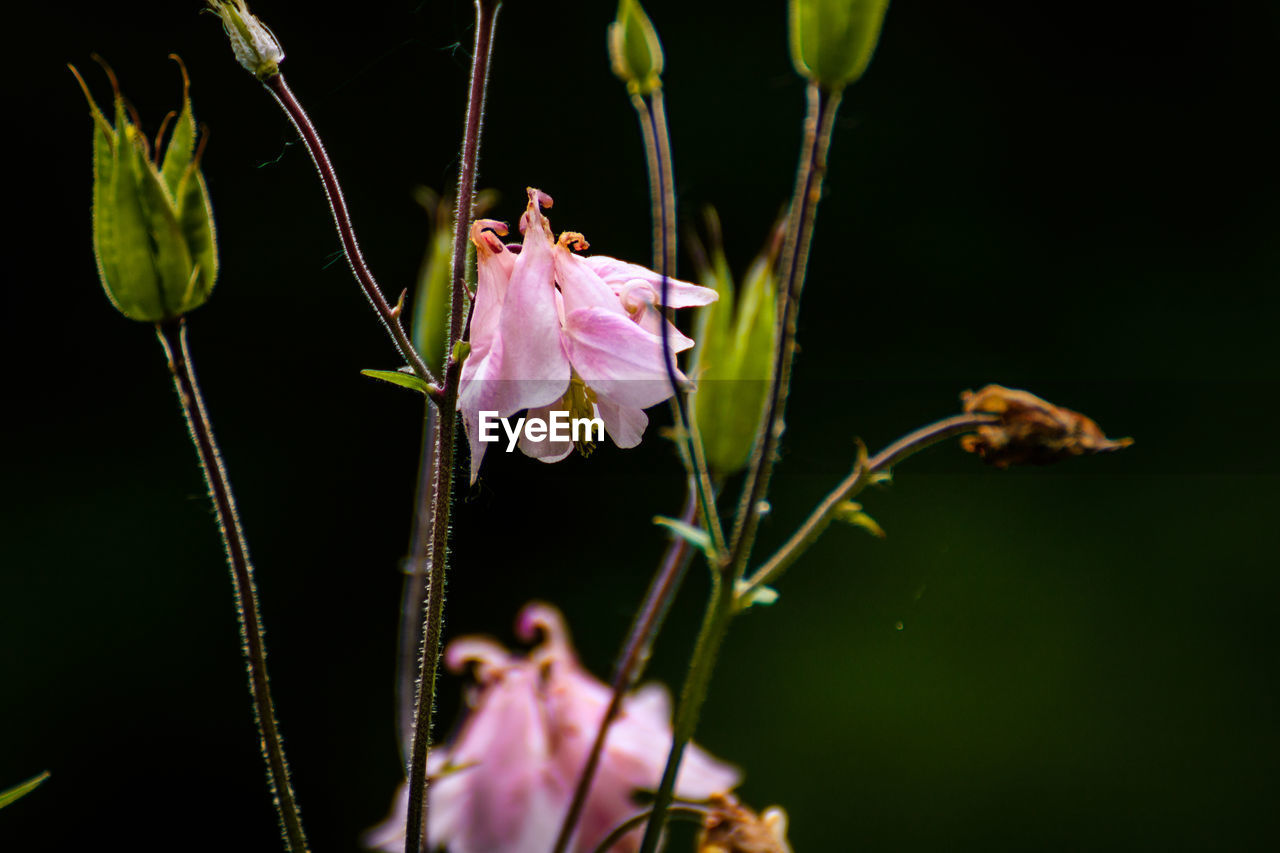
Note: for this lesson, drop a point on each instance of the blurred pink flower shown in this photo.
(552, 330)
(505, 782)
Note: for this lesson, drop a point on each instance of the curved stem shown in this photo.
(173, 337)
(818, 126)
(688, 814)
(821, 517)
(416, 838)
(389, 316)
(635, 655)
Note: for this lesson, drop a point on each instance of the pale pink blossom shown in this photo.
(554, 330)
(506, 780)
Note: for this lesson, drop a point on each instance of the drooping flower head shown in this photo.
(552, 330)
(506, 780)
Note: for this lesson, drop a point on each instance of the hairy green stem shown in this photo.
(715, 624)
(173, 337)
(417, 570)
(818, 125)
(416, 838)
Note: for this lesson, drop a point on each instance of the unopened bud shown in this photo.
(832, 40)
(153, 233)
(734, 357)
(255, 46)
(635, 52)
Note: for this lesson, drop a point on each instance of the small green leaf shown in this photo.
(760, 596)
(851, 512)
(695, 536)
(404, 380)
(19, 791)
(461, 350)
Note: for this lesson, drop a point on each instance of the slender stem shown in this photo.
(657, 143)
(715, 624)
(173, 337)
(663, 138)
(635, 655)
(417, 569)
(442, 478)
(654, 171)
(818, 125)
(389, 316)
(822, 516)
(486, 17)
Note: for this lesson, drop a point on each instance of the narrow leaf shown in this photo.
(761, 596)
(404, 380)
(852, 513)
(19, 791)
(695, 536)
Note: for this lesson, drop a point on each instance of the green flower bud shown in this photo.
(635, 52)
(153, 233)
(431, 297)
(832, 40)
(254, 45)
(733, 360)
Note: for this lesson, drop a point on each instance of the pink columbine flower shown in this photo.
(553, 330)
(504, 784)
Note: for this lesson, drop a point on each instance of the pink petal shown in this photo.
(534, 370)
(624, 424)
(680, 294)
(494, 265)
(616, 358)
(545, 450)
(581, 286)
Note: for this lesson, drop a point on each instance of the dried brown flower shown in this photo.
(730, 827)
(1031, 431)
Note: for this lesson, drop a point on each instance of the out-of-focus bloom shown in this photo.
(504, 784)
(1031, 431)
(153, 233)
(254, 45)
(552, 330)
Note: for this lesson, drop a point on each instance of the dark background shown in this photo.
(1077, 199)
